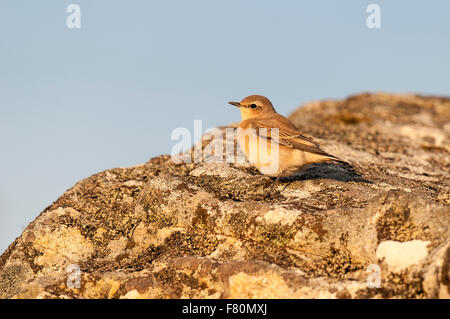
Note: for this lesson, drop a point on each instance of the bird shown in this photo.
(272, 143)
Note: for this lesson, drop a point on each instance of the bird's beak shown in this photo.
(235, 104)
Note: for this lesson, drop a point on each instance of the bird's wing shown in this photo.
(287, 136)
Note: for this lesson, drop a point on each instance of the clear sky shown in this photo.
(74, 102)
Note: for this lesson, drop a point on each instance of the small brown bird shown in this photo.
(274, 155)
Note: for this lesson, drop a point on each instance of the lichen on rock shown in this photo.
(213, 229)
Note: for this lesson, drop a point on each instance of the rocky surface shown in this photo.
(215, 230)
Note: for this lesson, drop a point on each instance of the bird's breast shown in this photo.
(259, 151)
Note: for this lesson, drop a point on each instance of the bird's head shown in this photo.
(254, 106)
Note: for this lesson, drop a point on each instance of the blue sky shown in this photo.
(74, 102)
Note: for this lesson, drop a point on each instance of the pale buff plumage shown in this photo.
(271, 155)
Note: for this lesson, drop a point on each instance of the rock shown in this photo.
(213, 229)
(399, 256)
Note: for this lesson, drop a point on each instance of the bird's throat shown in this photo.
(246, 113)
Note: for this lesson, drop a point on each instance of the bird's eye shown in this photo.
(253, 106)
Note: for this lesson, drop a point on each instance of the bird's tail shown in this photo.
(331, 158)
(318, 155)
(337, 159)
